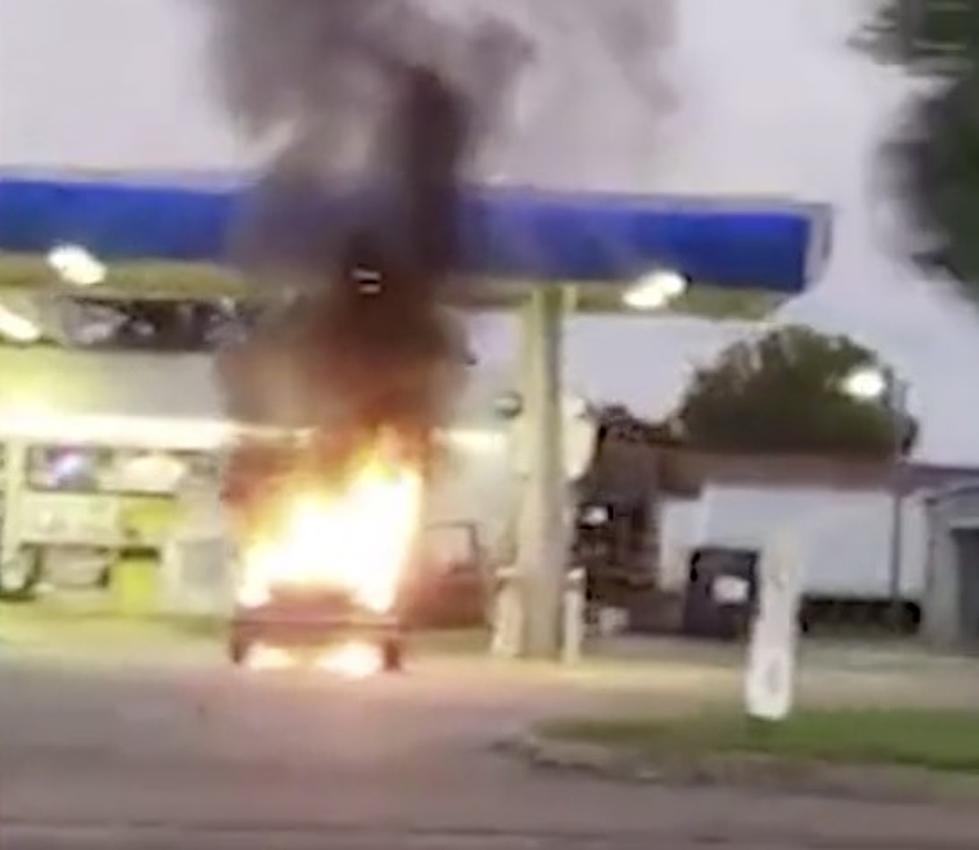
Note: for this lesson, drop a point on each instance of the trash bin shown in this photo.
(722, 592)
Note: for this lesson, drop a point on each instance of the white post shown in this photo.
(574, 616)
(542, 534)
(507, 616)
(770, 673)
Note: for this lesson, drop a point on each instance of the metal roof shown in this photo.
(508, 234)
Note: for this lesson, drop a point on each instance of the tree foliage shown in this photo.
(938, 35)
(938, 177)
(936, 157)
(786, 393)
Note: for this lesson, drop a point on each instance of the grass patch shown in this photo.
(936, 740)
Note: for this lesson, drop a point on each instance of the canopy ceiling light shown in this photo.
(77, 266)
(655, 290)
(16, 327)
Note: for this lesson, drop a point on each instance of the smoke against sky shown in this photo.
(314, 77)
(368, 344)
(754, 97)
(406, 100)
(323, 76)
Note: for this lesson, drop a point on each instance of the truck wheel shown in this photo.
(392, 655)
(238, 650)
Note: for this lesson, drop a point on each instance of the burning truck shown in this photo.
(361, 362)
(380, 109)
(325, 543)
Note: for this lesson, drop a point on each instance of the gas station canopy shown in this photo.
(510, 237)
(514, 242)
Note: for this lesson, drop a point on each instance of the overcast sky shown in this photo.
(752, 97)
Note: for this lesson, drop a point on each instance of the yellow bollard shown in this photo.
(134, 586)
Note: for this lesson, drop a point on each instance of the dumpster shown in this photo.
(722, 592)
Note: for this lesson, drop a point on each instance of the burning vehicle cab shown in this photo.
(323, 553)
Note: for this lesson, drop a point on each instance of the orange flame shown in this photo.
(354, 537)
(352, 660)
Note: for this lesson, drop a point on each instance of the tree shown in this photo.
(936, 157)
(787, 393)
(937, 35)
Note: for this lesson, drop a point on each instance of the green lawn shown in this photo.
(939, 740)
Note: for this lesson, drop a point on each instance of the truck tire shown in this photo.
(392, 655)
(238, 649)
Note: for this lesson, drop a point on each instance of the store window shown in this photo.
(106, 470)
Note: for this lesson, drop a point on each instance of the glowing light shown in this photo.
(76, 265)
(476, 440)
(352, 660)
(253, 595)
(16, 327)
(355, 538)
(868, 384)
(67, 466)
(138, 431)
(265, 658)
(655, 290)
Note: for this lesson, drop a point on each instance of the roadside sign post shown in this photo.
(770, 671)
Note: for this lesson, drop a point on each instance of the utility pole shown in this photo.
(897, 403)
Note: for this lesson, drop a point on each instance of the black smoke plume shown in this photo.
(352, 231)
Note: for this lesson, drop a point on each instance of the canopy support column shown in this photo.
(542, 549)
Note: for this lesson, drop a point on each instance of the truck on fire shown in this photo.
(324, 539)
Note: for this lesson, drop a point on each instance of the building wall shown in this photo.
(175, 401)
(176, 386)
(950, 513)
(843, 535)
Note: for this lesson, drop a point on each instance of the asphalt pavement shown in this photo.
(175, 749)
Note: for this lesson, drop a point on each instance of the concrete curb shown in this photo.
(892, 784)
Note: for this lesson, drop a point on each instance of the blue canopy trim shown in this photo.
(506, 233)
